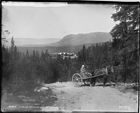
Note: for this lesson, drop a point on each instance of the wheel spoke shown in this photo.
(77, 79)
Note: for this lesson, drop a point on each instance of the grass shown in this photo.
(27, 100)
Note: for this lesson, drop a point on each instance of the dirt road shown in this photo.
(64, 96)
(96, 98)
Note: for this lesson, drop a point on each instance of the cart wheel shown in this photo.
(77, 79)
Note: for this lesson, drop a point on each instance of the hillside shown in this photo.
(69, 43)
(80, 39)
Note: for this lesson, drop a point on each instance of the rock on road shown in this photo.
(96, 98)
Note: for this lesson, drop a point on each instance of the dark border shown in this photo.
(79, 2)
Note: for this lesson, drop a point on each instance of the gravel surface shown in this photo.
(97, 98)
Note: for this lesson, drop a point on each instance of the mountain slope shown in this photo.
(70, 43)
(80, 39)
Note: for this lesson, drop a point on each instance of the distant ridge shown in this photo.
(85, 38)
(69, 43)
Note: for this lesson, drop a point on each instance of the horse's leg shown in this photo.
(92, 81)
(105, 79)
(84, 81)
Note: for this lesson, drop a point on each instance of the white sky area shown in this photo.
(56, 21)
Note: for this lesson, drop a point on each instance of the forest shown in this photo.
(25, 71)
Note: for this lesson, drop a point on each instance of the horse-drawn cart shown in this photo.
(79, 79)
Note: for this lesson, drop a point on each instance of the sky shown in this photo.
(56, 20)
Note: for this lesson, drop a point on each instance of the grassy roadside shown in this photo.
(129, 89)
(27, 100)
(126, 87)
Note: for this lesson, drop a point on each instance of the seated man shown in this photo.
(84, 73)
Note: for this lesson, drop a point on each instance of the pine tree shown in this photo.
(27, 54)
(125, 35)
(84, 54)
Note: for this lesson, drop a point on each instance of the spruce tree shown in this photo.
(125, 36)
